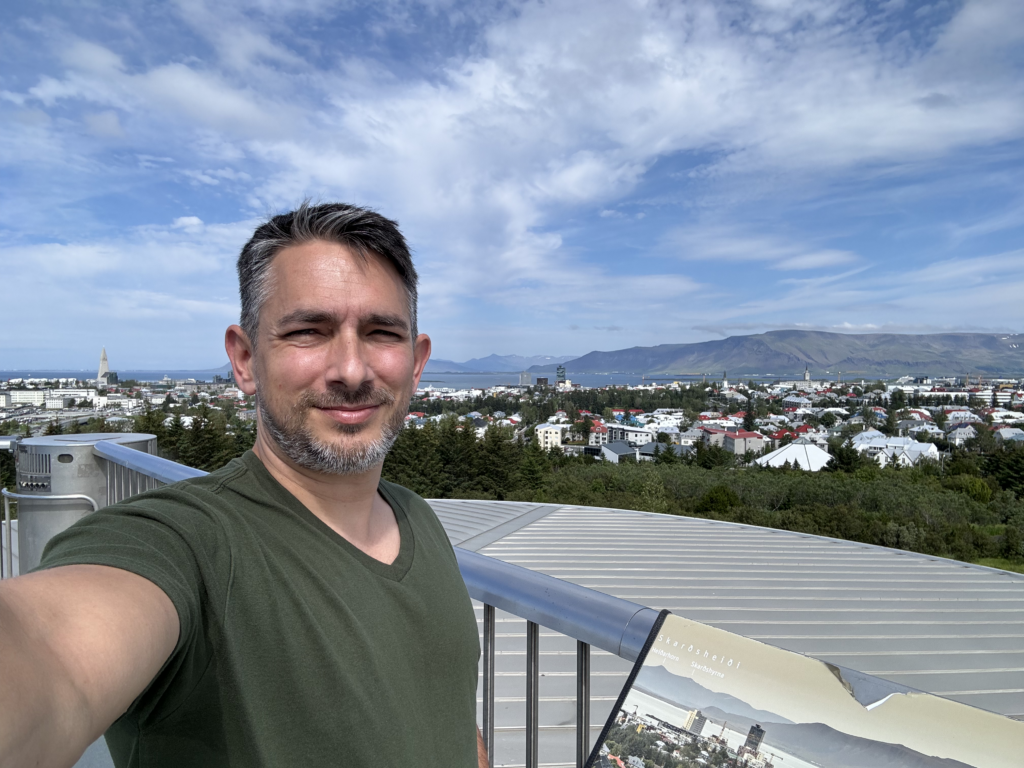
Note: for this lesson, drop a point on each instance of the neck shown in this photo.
(347, 503)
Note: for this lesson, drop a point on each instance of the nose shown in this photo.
(348, 365)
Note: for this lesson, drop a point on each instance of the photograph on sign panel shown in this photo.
(705, 697)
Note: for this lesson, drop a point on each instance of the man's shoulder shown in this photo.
(218, 488)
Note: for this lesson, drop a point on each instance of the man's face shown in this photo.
(335, 364)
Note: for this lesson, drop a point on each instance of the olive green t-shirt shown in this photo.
(296, 648)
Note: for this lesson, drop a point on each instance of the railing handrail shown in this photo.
(610, 623)
(164, 470)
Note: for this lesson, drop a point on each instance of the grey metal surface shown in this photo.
(40, 523)
(952, 629)
(9, 555)
(615, 625)
(161, 470)
(59, 480)
(924, 622)
(474, 524)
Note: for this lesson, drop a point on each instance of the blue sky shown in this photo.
(572, 175)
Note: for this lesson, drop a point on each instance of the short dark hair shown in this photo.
(363, 230)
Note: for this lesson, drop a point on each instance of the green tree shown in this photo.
(533, 466)
(6, 470)
(414, 461)
(202, 445)
(54, 428)
(889, 427)
(174, 434)
(748, 419)
(151, 422)
(845, 458)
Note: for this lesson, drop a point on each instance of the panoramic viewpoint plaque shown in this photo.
(701, 696)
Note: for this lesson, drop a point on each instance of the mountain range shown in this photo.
(495, 364)
(787, 353)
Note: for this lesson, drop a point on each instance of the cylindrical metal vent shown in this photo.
(61, 465)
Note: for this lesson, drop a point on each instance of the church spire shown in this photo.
(104, 367)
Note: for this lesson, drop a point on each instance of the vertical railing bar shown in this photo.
(110, 499)
(7, 561)
(532, 692)
(488, 683)
(582, 702)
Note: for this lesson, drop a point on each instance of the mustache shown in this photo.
(336, 397)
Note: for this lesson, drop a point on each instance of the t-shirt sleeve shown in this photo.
(144, 539)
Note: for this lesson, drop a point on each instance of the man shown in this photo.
(290, 608)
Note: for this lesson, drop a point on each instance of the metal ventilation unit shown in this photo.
(60, 480)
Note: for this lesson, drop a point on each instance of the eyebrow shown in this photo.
(310, 316)
(319, 317)
(389, 321)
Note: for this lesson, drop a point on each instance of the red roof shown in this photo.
(744, 434)
(804, 429)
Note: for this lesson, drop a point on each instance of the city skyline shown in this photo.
(572, 177)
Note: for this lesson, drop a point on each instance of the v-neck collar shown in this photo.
(394, 571)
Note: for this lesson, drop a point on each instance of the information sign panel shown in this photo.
(700, 696)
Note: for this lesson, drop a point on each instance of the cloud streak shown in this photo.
(549, 160)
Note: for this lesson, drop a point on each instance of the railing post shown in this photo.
(488, 683)
(582, 703)
(7, 560)
(532, 692)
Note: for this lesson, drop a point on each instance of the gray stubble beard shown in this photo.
(298, 443)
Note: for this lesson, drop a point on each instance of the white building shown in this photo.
(903, 451)
(1007, 433)
(28, 396)
(55, 401)
(550, 435)
(803, 455)
(633, 435)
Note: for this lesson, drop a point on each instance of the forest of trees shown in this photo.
(970, 507)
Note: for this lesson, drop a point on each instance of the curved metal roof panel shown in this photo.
(949, 628)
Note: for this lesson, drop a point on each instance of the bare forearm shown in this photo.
(41, 723)
(77, 645)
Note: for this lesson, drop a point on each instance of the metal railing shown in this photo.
(7, 551)
(593, 618)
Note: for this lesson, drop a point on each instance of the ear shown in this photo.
(421, 353)
(239, 350)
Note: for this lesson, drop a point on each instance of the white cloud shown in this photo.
(104, 124)
(554, 112)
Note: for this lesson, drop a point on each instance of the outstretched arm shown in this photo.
(80, 643)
